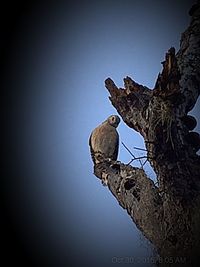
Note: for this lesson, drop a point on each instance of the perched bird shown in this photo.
(104, 140)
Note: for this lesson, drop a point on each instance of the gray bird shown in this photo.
(104, 140)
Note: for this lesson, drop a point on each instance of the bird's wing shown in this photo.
(91, 149)
(115, 153)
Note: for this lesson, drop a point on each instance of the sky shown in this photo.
(58, 56)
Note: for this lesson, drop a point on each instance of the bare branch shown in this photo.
(188, 60)
(137, 194)
(134, 158)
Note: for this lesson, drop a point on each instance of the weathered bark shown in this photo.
(167, 214)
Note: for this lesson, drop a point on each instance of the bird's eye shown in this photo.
(113, 118)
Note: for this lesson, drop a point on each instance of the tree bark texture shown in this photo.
(168, 214)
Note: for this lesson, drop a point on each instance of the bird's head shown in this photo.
(114, 120)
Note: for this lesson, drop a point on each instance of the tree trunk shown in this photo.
(168, 214)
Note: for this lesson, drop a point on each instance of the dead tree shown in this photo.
(168, 214)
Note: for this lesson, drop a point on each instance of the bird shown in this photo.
(104, 140)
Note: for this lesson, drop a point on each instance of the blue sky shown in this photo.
(62, 54)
